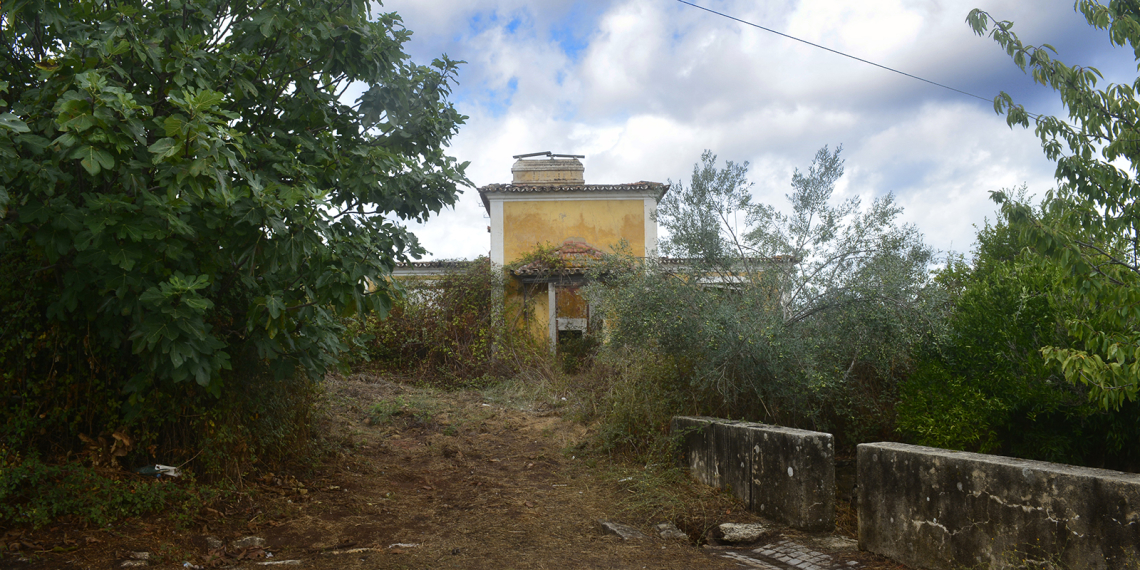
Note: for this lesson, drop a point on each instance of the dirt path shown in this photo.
(437, 480)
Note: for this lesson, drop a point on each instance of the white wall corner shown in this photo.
(650, 228)
(497, 248)
(552, 303)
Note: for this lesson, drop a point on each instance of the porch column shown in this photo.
(552, 304)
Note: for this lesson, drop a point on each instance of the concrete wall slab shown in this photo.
(939, 509)
(793, 476)
(785, 474)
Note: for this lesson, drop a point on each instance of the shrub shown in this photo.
(446, 329)
(982, 384)
(35, 493)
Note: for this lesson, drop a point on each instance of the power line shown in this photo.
(837, 52)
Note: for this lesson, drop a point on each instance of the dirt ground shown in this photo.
(434, 480)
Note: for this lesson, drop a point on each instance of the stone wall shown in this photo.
(785, 474)
(939, 509)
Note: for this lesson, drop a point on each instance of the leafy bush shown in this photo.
(983, 383)
(641, 393)
(34, 493)
(446, 329)
(187, 210)
(1089, 235)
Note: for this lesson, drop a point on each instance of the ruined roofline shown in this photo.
(442, 263)
(688, 261)
(429, 268)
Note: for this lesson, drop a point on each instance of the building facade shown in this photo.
(549, 207)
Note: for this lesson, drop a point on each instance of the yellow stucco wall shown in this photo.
(600, 223)
(529, 312)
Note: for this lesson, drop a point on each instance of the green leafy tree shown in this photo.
(981, 382)
(190, 178)
(1093, 239)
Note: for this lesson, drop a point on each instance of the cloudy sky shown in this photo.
(641, 87)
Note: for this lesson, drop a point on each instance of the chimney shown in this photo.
(550, 170)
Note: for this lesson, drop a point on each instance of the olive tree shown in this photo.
(800, 317)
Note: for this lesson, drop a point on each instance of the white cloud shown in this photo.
(641, 87)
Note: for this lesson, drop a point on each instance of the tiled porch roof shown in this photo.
(574, 258)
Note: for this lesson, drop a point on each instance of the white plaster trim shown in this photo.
(497, 251)
(552, 300)
(651, 228)
(493, 197)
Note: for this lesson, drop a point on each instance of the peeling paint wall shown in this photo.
(940, 509)
(599, 223)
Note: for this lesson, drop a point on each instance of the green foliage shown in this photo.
(1093, 235)
(189, 177)
(444, 328)
(983, 384)
(544, 255)
(418, 410)
(698, 217)
(187, 211)
(34, 493)
(642, 392)
(811, 327)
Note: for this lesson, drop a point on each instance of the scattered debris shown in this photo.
(158, 470)
(280, 563)
(836, 543)
(249, 542)
(669, 531)
(354, 550)
(626, 532)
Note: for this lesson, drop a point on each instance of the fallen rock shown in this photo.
(249, 542)
(214, 543)
(740, 533)
(669, 531)
(626, 532)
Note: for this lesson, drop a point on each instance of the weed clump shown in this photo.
(447, 330)
(34, 493)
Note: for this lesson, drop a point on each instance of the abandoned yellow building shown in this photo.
(548, 205)
(548, 208)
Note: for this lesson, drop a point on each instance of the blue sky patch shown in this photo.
(573, 31)
(498, 101)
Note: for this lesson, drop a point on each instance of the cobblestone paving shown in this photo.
(787, 555)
